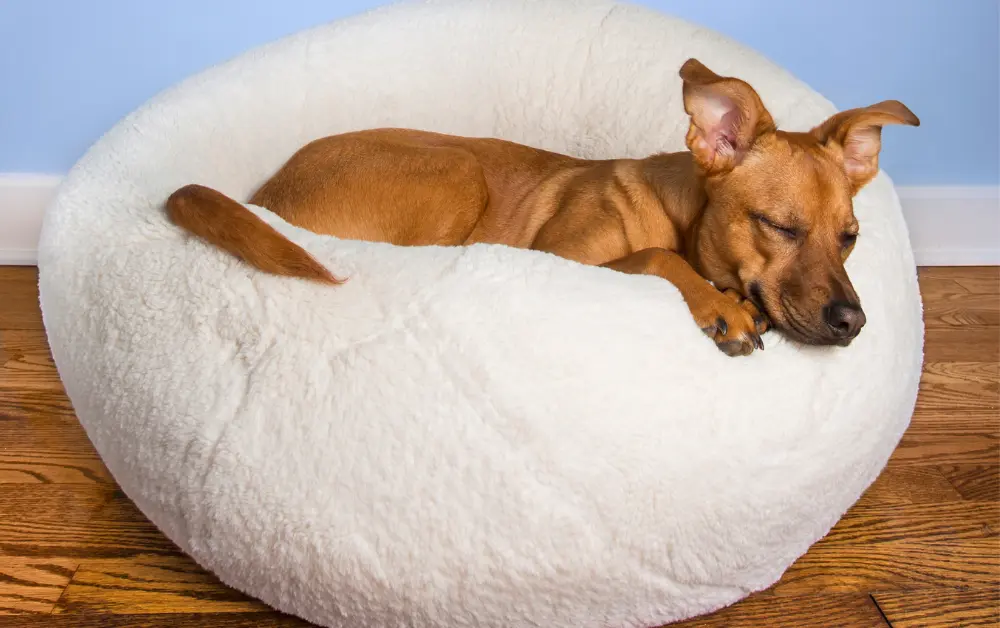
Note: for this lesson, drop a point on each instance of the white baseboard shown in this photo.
(949, 225)
(953, 225)
(23, 198)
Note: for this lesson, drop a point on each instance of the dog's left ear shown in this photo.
(727, 117)
(856, 136)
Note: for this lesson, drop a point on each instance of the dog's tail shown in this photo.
(221, 221)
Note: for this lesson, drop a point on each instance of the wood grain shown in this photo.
(150, 584)
(902, 546)
(920, 548)
(804, 611)
(26, 363)
(960, 308)
(962, 344)
(951, 386)
(957, 418)
(29, 383)
(983, 280)
(50, 450)
(45, 435)
(33, 585)
(899, 484)
(269, 619)
(76, 521)
(977, 483)
(940, 607)
(34, 468)
(947, 446)
(916, 524)
(47, 404)
(19, 305)
(961, 373)
(975, 280)
(893, 566)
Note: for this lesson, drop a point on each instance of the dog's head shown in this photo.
(780, 223)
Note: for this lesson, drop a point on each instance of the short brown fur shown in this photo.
(765, 215)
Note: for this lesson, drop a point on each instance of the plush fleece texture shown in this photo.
(477, 437)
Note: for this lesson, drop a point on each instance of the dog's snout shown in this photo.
(844, 319)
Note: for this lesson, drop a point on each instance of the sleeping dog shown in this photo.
(751, 224)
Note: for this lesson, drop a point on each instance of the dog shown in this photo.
(751, 224)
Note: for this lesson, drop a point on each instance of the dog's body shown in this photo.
(764, 215)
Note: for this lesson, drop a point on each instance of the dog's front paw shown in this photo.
(759, 318)
(734, 327)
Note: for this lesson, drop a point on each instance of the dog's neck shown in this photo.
(680, 187)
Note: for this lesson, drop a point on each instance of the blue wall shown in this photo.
(70, 68)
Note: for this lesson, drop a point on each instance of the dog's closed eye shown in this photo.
(791, 233)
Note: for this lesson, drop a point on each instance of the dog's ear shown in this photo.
(727, 117)
(856, 137)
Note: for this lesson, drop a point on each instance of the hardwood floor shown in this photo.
(921, 548)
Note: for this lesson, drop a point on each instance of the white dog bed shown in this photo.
(459, 437)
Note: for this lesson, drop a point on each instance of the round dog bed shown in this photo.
(473, 436)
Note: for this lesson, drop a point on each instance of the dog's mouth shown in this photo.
(757, 298)
(792, 321)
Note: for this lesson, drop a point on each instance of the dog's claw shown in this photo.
(734, 326)
(722, 326)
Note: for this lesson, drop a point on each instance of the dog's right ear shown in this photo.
(856, 135)
(727, 117)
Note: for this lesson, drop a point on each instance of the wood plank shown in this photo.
(41, 469)
(940, 607)
(945, 447)
(939, 436)
(77, 521)
(916, 523)
(51, 502)
(40, 404)
(955, 309)
(19, 308)
(947, 422)
(978, 280)
(902, 546)
(932, 284)
(29, 382)
(48, 450)
(25, 362)
(975, 482)
(986, 284)
(45, 436)
(962, 344)
(804, 611)
(263, 619)
(910, 485)
(975, 279)
(150, 584)
(959, 373)
(960, 386)
(971, 564)
(32, 585)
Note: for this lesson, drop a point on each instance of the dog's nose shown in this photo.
(844, 319)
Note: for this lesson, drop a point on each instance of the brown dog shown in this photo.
(765, 215)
